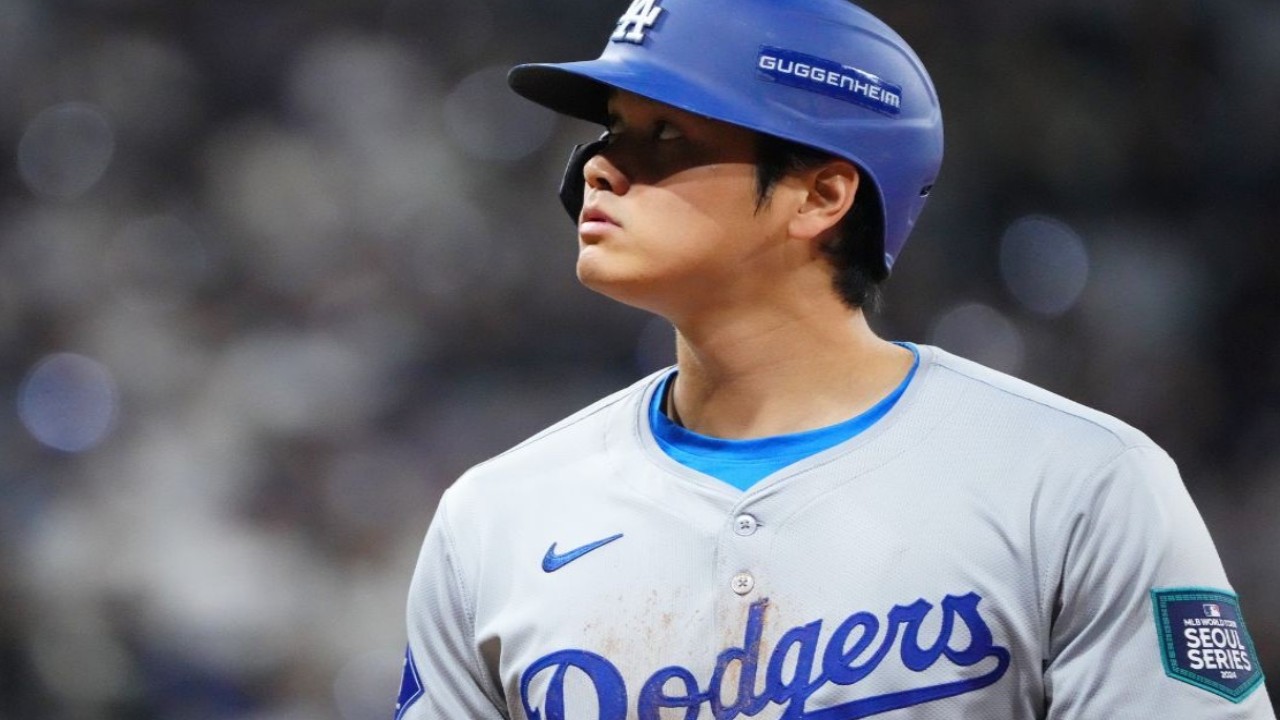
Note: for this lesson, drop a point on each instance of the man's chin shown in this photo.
(618, 286)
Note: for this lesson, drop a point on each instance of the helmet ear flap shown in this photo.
(573, 184)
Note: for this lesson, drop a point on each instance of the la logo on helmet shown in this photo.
(639, 17)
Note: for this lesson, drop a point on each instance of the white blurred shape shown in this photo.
(1044, 264)
(980, 333)
(371, 105)
(68, 402)
(488, 121)
(235, 595)
(394, 176)
(65, 150)
(51, 256)
(154, 349)
(358, 86)
(365, 687)
(299, 383)
(158, 258)
(286, 200)
(102, 665)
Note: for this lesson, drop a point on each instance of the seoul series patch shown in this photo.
(410, 685)
(829, 78)
(1204, 642)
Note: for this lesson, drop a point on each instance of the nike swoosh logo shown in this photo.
(552, 562)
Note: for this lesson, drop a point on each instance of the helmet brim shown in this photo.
(565, 91)
(581, 89)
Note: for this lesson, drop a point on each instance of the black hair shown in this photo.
(856, 248)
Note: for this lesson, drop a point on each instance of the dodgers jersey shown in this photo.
(986, 550)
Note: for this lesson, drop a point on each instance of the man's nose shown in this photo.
(602, 173)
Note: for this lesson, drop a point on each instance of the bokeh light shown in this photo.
(982, 334)
(66, 149)
(68, 402)
(1044, 263)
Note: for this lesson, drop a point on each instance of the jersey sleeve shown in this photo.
(444, 676)
(1144, 623)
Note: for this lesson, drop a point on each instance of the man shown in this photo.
(802, 520)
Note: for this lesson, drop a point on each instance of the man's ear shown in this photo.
(830, 189)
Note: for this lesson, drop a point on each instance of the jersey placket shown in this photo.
(741, 568)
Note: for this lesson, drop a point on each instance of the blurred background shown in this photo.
(273, 274)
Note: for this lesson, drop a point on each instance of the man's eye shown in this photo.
(667, 131)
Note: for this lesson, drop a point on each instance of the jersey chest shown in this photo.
(860, 595)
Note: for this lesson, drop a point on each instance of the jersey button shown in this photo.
(743, 582)
(745, 524)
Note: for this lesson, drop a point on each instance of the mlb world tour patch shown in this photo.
(1203, 641)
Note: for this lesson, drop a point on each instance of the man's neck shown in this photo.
(761, 377)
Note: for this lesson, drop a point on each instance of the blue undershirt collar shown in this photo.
(743, 463)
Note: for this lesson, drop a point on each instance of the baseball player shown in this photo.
(800, 519)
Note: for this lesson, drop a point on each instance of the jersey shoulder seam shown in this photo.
(452, 559)
(446, 530)
(1139, 439)
(580, 416)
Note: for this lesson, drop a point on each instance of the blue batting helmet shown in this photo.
(823, 73)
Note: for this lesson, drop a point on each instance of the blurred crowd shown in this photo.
(273, 274)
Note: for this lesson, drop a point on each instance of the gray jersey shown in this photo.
(987, 550)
